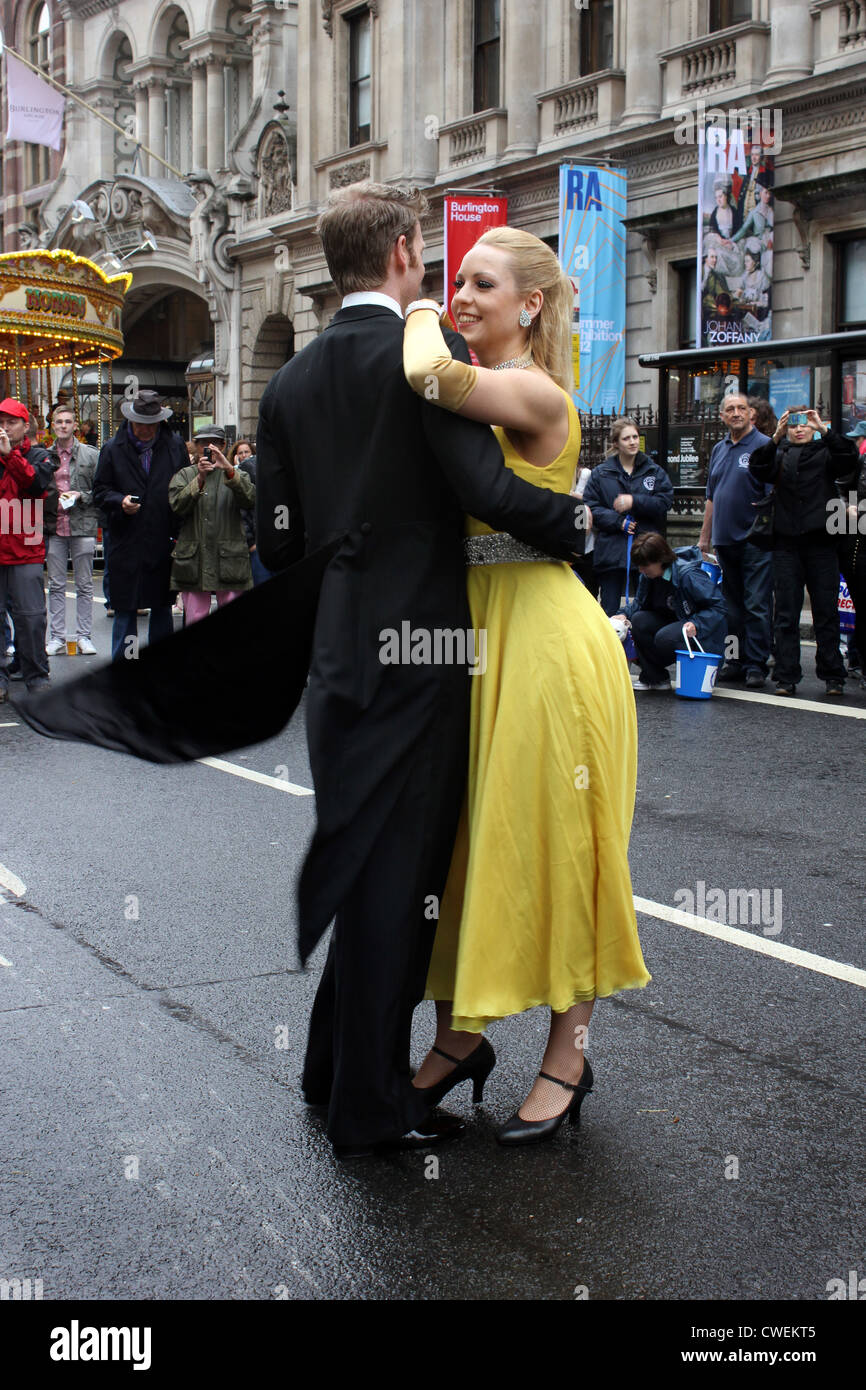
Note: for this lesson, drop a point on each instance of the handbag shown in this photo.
(763, 528)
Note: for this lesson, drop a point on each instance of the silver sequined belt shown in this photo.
(500, 549)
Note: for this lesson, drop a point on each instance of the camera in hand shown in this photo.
(798, 418)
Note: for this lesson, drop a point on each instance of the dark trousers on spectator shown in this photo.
(125, 626)
(852, 563)
(811, 561)
(24, 585)
(105, 543)
(612, 585)
(747, 588)
(656, 641)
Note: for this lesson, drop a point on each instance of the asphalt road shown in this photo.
(152, 1021)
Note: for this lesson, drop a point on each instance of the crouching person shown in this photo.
(673, 594)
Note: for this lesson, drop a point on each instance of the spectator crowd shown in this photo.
(785, 515)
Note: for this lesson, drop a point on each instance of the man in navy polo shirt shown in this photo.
(747, 571)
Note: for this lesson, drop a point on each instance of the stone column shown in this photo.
(142, 133)
(790, 41)
(521, 78)
(642, 41)
(156, 124)
(216, 142)
(199, 114)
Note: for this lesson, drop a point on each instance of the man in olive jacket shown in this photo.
(212, 555)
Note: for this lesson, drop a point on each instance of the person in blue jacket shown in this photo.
(673, 595)
(627, 494)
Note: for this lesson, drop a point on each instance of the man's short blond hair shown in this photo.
(360, 225)
(63, 410)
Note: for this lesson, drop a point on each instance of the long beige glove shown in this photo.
(429, 368)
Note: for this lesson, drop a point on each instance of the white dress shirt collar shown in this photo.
(352, 301)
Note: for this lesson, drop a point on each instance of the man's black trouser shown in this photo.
(357, 1058)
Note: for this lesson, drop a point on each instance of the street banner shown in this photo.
(592, 205)
(466, 219)
(735, 237)
(35, 108)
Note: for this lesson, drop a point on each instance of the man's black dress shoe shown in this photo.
(436, 1128)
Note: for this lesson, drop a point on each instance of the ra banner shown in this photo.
(466, 219)
(735, 238)
(592, 205)
(35, 108)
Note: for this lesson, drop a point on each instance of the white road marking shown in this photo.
(13, 724)
(12, 882)
(7, 963)
(278, 783)
(837, 969)
(790, 702)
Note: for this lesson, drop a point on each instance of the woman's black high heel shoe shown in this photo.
(517, 1131)
(475, 1068)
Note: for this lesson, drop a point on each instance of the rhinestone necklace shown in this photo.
(513, 362)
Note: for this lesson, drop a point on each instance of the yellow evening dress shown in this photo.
(538, 906)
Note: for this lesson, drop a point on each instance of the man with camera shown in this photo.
(212, 553)
(25, 473)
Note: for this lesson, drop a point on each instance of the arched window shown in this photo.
(40, 37)
(39, 45)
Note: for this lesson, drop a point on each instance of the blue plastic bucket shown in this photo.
(713, 570)
(696, 672)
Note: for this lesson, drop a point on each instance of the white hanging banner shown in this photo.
(35, 108)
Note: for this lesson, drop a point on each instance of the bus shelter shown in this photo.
(57, 310)
(827, 372)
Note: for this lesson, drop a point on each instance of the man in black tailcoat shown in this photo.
(346, 450)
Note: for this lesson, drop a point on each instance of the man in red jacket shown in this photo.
(25, 472)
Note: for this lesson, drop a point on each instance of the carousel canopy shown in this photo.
(57, 308)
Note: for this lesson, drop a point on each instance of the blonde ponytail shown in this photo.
(535, 267)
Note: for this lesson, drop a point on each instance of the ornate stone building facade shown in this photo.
(264, 107)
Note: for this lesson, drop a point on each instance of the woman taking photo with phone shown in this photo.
(804, 468)
(212, 555)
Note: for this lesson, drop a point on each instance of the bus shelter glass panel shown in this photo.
(694, 421)
(793, 379)
(854, 397)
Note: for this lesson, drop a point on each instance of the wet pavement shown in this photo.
(152, 1022)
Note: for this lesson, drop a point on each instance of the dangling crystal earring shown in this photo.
(525, 318)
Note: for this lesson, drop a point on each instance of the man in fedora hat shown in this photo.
(131, 485)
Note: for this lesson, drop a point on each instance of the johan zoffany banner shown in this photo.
(592, 205)
(735, 237)
(466, 219)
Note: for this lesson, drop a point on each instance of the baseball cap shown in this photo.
(16, 408)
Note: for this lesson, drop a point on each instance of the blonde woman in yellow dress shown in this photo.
(538, 907)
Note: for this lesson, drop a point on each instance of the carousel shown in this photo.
(58, 310)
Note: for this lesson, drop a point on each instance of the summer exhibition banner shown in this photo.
(592, 205)
(466, 219)
(735, 238)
